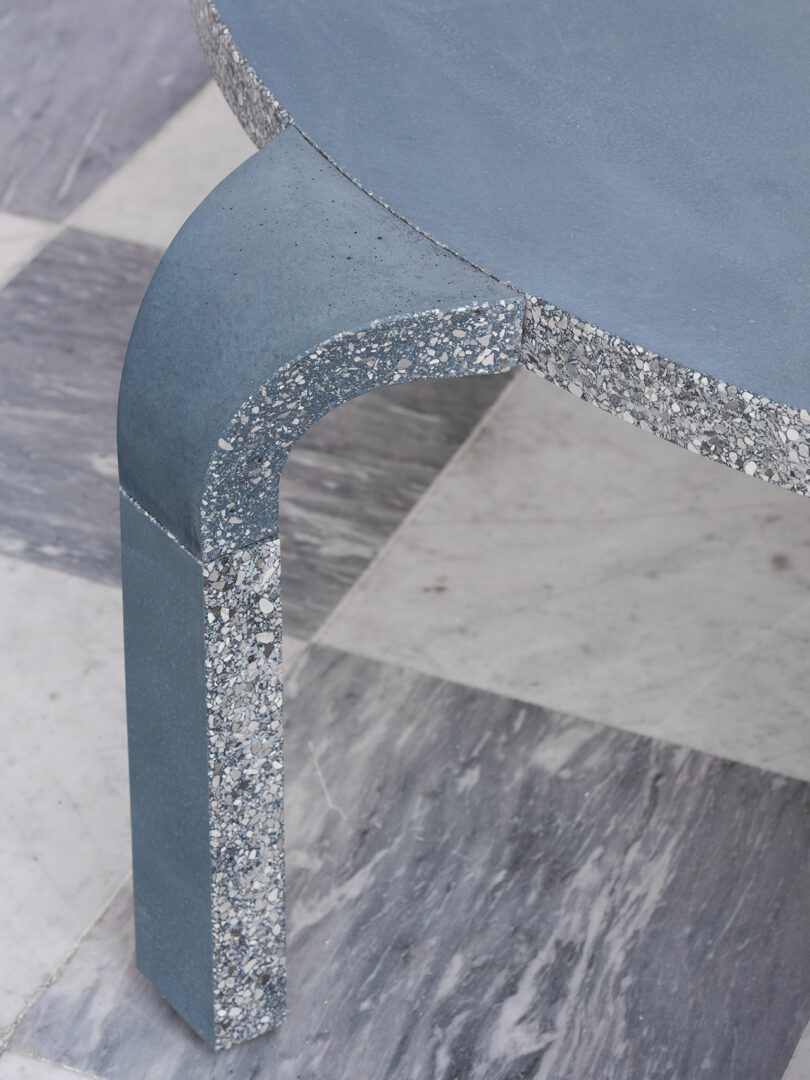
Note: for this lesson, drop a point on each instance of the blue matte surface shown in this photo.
(167, 727)
(642, 164)
(284, 254)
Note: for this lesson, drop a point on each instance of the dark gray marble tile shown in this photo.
(481, 888)
(64, 324)
(355, 475)
(82, 85)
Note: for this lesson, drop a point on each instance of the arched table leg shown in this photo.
(288, 292)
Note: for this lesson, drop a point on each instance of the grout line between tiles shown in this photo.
(55, 229)
(7, 1035)
(653, 737)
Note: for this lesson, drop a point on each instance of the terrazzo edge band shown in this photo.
(739, 429)
(259, 113)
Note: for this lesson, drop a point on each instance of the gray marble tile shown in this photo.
(81, 87)
(482, 888)
(64, 324)
(573, 561)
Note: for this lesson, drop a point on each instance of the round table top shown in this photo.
(642, 165)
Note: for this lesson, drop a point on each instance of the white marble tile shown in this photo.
(571, 560)
(152, 194)
(21, 238)
(64, 812)
(799, 1067)
(15, 1066)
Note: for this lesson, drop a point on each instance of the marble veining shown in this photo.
(799, 1067)
(238, 539)
(64, 323)
(20, 240)
(149, 198)
(22, 1067)
(82, 86)
(483, 888)
(360, 890)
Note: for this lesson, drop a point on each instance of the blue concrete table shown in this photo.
(614, 195)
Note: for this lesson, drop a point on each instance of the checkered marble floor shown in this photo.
(548, 751)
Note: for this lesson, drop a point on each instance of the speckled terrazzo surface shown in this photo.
(239, 516)
(761, 437)
(262, 116)
(240, 501)
(243, 684)
(697, 531)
